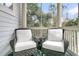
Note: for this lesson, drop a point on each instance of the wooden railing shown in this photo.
(39, 32)
(70, 34)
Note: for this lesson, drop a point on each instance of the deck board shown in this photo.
(67, 54)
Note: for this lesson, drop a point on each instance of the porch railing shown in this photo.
(71, 34)
(39, 32)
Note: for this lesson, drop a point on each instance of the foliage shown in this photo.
(35, 16)
(71, 22)
(34, 10)
(53, 8)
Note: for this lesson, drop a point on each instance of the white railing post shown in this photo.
(72, 35)
(78, 41)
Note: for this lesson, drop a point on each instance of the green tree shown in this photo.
(34, 10)
(71, 22)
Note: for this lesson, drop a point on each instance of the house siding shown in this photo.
(8, 23)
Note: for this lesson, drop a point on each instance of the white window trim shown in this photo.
(7, 10)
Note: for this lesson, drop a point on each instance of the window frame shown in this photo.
(7, 10)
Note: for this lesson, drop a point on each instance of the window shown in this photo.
(9, 5)
(7, 8)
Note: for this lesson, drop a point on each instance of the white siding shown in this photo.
(8, 23)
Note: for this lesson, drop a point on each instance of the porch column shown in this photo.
(59, 14)
(24, 15)
(78, 14)
(78, 33)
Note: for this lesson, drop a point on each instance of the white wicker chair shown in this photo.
(55, 45)
(23, 44)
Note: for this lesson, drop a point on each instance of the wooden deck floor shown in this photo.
(67, 54)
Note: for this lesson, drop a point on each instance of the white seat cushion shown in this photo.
(55, 34)
(24, 45)
(53, 45)
(24, 35)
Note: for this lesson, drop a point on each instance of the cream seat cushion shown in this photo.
(24, 35)
(55, 34)
(54, 45)
(24, 45)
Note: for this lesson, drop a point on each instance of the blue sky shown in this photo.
(71, 9)
(45, 7)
